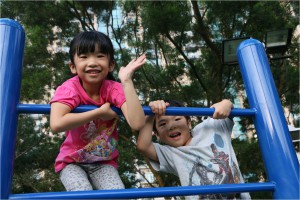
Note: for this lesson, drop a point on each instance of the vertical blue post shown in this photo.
(275, 142)
(12, 40)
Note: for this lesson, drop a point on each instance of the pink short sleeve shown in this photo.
(112, 92)
(66, 96)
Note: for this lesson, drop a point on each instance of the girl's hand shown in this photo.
(106, 113)
(126, 73)
(222, 109)
(158, 107)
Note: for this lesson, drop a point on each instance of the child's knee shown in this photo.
(74, 178)
(107, 178)
(78, 186)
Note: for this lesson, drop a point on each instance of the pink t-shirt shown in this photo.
(95, 141)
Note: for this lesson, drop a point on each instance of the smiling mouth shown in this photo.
(93, 71)
(174, 135)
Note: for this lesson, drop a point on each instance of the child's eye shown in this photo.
(177, 119)
(162, 124)
(100, 55)
(82, 56)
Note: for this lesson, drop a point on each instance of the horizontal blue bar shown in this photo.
(191, 111)
(151, 192)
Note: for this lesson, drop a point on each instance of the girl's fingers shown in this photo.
(135, 64)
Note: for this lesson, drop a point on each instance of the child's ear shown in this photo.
(190, 124)
(111, 66)
(72, 68)
(156, 135)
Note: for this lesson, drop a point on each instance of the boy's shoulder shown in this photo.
(210, 122)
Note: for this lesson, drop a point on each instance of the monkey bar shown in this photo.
(275, 142)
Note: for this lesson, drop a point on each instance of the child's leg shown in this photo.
(106, 178)
(74, 178)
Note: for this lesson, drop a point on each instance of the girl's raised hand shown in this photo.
(126, 73)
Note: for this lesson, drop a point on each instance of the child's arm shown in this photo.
(222, 109)
(61, 118)
(132, 109)
(144, 141)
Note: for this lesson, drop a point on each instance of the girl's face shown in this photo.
(173, 130)
(92, 68)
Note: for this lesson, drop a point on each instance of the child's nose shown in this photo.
(172, 126)
(92, 61)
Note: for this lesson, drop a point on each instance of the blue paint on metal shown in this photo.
(274, 138)
(151, 192)
(275, 142)
(192, 111)
(12, 40)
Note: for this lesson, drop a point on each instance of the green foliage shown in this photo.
(253, 169)
(128, 155)
(163, 17)
(171, 34)
(36, 149)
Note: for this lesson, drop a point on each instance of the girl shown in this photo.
(88, 156)
(200, 156)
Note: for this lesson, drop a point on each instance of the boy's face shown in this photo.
(173, 130)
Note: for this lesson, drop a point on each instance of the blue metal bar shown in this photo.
(275, 142)
(192, 111)
(151, 192)
(12, 41)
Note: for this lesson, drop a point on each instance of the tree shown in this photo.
(34, 156)
(182, 40)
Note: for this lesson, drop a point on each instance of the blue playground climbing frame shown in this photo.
(280, 160)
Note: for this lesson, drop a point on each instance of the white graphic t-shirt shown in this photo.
(208, 159)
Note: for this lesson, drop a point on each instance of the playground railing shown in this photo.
(275, 142)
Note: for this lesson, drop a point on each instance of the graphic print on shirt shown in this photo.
(91, 132)
(208, 174)
(100, 145)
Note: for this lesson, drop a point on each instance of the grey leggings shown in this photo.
(79, 177)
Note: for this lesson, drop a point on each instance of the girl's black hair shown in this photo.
(88, 41)
(173, 103)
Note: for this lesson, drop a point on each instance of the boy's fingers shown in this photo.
(158, 107)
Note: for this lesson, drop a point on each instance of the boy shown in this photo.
(199, 156)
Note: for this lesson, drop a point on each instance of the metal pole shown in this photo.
(12, 40)
(275, 142)
(141, 193)
(184, 111)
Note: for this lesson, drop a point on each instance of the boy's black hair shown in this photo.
(88, 41)
(173, 103)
